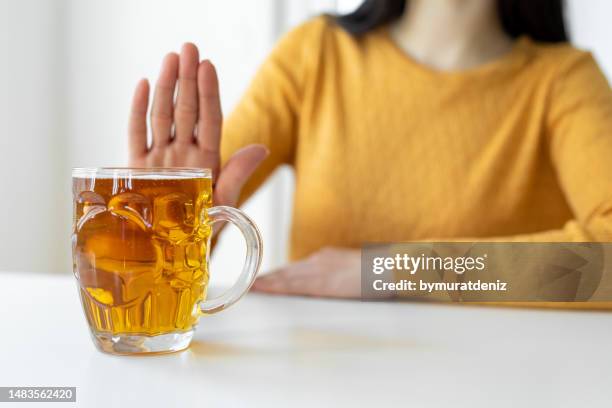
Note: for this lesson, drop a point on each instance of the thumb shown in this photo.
(236, 172)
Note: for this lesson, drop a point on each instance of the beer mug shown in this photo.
(140, 245)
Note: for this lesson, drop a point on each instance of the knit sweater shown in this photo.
(387, 149)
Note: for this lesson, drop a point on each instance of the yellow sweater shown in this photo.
(386, 149)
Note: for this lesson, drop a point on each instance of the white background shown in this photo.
(66, 78)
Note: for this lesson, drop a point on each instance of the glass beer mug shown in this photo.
(140, 245)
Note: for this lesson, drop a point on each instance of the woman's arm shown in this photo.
(578, 135)
(269, 111)
(579, 127)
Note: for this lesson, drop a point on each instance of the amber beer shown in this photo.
(140, 245)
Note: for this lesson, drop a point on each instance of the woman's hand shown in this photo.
(186, 130)
(330, 272)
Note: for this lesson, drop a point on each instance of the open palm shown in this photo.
(186, 129)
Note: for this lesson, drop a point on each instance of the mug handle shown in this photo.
(254, 251)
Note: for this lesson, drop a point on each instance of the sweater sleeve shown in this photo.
(580, 141)
(579, 133)
(268, 111)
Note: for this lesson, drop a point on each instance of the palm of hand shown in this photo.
(186, 130)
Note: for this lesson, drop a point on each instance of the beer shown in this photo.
(140, 245)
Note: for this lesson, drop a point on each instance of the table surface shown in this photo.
(279, 351)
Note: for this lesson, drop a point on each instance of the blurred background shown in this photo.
(65, 87)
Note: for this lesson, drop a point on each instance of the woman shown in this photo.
(447, 119)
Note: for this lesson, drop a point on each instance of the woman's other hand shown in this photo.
(186, 130)
(330, 272)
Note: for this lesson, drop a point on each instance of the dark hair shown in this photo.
(542, 20)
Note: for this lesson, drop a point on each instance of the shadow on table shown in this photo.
(295, 342)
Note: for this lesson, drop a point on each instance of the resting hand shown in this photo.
(330, 272)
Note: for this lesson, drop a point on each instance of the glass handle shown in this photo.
(254, 248)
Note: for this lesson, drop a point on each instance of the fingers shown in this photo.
(209, 124)
(236, 172)
(137, 128)
(289, 280)
(197, 107)
(163, 102)
(186, 109)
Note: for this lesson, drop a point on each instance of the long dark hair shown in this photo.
(542, 20)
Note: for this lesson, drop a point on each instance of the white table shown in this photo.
(276, 351)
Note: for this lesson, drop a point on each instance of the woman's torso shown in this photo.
(389, 150)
